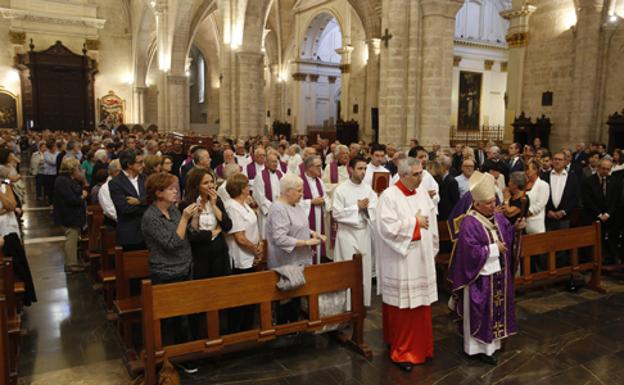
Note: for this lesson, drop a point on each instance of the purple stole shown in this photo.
(219, 170)
(333, 172)
(283, 166)
(251, 170)
(266, 178)
(302, 170)
(307, 194)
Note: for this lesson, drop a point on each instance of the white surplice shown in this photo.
(343, 175)
(406, 275)
(264, 204)
(427, 184)
(370, 170)
(354, 234)
(318, 212)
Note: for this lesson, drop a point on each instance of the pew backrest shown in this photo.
(8, 287)
(5, 367)
(129, 265)
(95, 219)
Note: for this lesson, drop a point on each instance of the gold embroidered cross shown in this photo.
(498, 298)
(499, 329)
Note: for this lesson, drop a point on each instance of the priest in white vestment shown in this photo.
(353, 208)
(378, 157)
(229, 170)
(406, 244)
(266, 190)
(334, 174)
(315, 202)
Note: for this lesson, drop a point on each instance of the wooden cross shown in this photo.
(386, 38)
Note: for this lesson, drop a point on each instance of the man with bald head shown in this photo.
(601, 199)
(256, 166)
(228, 158)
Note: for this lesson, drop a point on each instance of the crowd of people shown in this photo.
(220, 209)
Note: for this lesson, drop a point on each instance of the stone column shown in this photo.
(227, 103)
(249, 90)
(297, 113)
(312, 86)
(331, 84)
(139, 103)
(517, 40)
(371, 94)
(437, 75)
(345, 71)
(588, 57)
(177, 96)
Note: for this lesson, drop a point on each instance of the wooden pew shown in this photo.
(95, 219)
(5, 371)
(13, 318)
(443, 258)
(106, 273)
(164, 301)
(552, 242)
(129, 266)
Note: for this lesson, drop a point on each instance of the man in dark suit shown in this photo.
(601, 196)
(127, 191)
(457, 160)
(515, 161)
(581, 155)
(564, 194)
(480, 155)
(449, 189)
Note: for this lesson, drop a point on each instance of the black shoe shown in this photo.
(188, 367)
(404, 366)
(490, 360)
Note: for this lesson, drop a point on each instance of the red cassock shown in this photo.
(409, 333)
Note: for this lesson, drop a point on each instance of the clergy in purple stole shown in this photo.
(481, 273)
(315, 202)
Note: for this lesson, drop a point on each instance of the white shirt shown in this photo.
(207, 218)
(242, 160)
(557, 185)
(370, 170)
(222, 193)
(538, 198)
(243, 219)
(8, 221)
(463, 184)
(106, 202)
(134, 181)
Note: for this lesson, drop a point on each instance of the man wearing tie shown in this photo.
(479, 154)
(601, 197)
(515, 163)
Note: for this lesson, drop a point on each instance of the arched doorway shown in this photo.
(318, 60)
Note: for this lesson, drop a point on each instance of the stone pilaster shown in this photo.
(517, 40)
(139, 103)
(249, 91)
(437, 63)
(178, 107)
(298, 95)
(345, 77)
(371, 94)
(587, 61)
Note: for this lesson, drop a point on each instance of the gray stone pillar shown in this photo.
(372, 86)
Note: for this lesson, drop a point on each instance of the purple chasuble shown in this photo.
(307, 194)
(492, 305)
(266, 179)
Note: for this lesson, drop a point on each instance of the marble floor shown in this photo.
(565, 338)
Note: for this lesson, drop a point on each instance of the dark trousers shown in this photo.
(242, 318)
(48, 187)
(39, 185)
(288, 312)
(562, 257)
(174, 330)
(134, 247)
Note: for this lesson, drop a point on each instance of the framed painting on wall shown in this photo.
(8, 110)
(469, 113)
(111, 110)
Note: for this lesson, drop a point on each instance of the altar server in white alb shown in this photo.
(378, 157)
(266, 189)
(334, 174)
(353, 208)
(406, 244)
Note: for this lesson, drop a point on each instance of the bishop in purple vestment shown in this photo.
(481, 273)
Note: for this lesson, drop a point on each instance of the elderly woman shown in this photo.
(289, 238)
(538, 192)
(244, 243)
(101, 161)
(153, 163)
(294, 159)
(70, 209)
(164, 230)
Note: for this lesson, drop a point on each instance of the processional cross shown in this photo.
(386, 38)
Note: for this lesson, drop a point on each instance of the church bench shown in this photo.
(5, 364)
(106, 272)
(13, 319)
(443, 258)
(95, 219)
(130, 266)
(163, 301)
(573, 239)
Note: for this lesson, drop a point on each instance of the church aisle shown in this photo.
(565, 338)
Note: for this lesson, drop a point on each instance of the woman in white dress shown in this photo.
(538, 192)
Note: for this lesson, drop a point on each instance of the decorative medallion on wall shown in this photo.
(468, 116)
(111, 110)
(8, 110)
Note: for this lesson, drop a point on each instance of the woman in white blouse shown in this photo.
(538, 192)
(243, 242)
